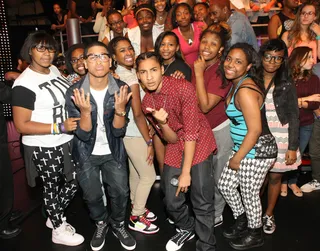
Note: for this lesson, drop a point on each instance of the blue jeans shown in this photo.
(201, 196)
(115, 177)
(305, 133)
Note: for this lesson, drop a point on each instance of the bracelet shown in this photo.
(149, 142)
(62, 129)
(55, 129)
(318, 37)
(51, 130)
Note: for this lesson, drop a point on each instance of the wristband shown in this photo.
(149, 142)
(318, 37)
(52, 132)
(62, 129)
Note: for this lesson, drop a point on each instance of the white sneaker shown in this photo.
(66, 235)
(310, 186)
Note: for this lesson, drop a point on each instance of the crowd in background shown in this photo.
(182, 85)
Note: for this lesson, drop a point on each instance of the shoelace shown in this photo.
(123, 232)
(145, 221)
(70, 229)
(269, 221)
(314, 183)
(100, 230)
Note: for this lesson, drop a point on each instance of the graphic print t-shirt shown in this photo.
(44, 94)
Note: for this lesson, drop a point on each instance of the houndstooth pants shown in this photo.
(250, 177)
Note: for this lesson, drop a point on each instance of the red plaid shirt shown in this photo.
(178, 98)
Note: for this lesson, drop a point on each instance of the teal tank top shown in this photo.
(238, 127)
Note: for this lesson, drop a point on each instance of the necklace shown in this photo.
(189, 37)
(102, 127)
(34, 69)
(167, 66)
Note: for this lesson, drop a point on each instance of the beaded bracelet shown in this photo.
(149, 142)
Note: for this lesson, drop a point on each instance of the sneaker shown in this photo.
(66, 235)
(178, 240)
(170, 221)
(218, 221)
(49, 223)
(310, 186)
(142, 224)
(125, 238)
(269, 224)
(99, 236)
(150, 216)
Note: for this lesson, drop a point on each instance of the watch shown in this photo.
(121, 114)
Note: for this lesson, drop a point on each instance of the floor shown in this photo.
(297, 223)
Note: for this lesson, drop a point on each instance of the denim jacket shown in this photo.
(83, 141)
(286, 104)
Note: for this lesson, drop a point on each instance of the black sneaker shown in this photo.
(177, 241)
(125, 238)
(98, 239)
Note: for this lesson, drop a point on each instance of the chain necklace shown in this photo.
(101, 127)
(168, 65)
(187, 38)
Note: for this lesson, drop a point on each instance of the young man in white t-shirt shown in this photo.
(102, 103)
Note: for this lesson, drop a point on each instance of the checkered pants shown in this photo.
(49, 162)
(250, 177)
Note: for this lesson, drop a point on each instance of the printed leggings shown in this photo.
(250, 177)
(49, 162)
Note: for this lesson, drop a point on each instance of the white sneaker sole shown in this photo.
(124, 246)
(144, 232)
(97, 248)
(56, 241)
(179, 247)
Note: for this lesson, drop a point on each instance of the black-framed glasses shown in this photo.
(277, 59)
(76, 60)
(43, 48)
(104, 57)
(115, 24)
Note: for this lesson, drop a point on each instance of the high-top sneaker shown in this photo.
(99, 236)
(125, 238)
(142, 225)
(65, 234)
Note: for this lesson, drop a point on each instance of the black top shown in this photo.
(55, 19)
(179, 65)
(286, 23)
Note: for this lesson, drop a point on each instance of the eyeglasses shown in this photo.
(277, 59)
(116, 23)
(104, 57)
(76, 60)
(310, 13)
(43, 48)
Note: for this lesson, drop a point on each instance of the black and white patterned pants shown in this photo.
(49, 162)
(250, 177)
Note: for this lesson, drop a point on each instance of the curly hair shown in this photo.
(294, 35)
(252, 58)
(298, 57)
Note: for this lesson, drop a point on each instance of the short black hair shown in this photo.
(204, 4)
(111, 12)
(174, 18)
(146, 55)
(34, 39)
(69, 55)
(95, 43)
